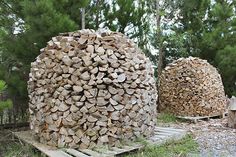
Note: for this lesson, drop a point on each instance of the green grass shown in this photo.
(166, 118)
(170, 149)
(19, 150)
(142, 141)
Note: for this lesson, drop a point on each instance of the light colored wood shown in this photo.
(191, 87)
(76, 153)
(108, 153)
(93, 153)
(168, 129)
(133, 148)
(119, 151)
(196, 119)
(164, 133)
(85, 85)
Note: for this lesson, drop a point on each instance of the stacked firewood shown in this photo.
(90, 88)
(191, 87)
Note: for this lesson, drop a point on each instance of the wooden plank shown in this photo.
(59, 153)
(133, 148)
(92, 153)
(202, 117)
(164, 140)
(169, 129)
(27, 137)
(161, 136)
(109, 153)
(166, 133)
(119, 150)
(76, 153)
(105, 152)
(194, 119)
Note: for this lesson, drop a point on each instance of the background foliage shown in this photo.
(6, 103)
(202, 28)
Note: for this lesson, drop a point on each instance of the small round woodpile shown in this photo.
(191, 87)
(90, 88)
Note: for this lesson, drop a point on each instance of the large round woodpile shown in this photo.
(191, 87)
(89, 88)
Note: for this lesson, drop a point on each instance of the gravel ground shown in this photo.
(215, 139)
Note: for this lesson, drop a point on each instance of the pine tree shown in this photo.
(4, 103)
(26, 26)
(226, 62)
(210, 28)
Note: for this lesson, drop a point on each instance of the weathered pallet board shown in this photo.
(195, 119)
(161, 136)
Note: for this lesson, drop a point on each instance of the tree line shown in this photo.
(164, 30)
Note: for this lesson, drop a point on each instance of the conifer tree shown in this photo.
(4, 103)
(26, 26)
(210, 28)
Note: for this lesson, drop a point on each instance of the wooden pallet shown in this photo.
(161, 136)
(196, 119)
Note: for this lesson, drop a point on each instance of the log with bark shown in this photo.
(232, 113)
(191, 87)
(89, 88)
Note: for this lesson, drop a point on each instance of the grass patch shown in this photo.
(19, 150)
(12, 147)
(170, 149)
(166, 118)
(141, 140)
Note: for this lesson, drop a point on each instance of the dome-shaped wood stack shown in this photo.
(191, 87)
(88, 88)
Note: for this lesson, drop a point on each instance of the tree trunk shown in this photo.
(82, 18)
(161, 52)
(9, 115)
(1, 117)
(97, 13)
